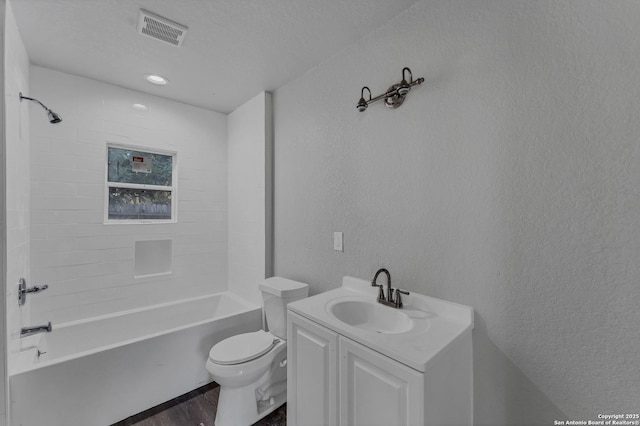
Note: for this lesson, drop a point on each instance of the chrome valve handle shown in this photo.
(23, 290)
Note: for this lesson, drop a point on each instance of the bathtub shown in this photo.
(99, 371)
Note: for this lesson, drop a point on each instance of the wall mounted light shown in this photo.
(394, 96)
(53, 117)
(362, 103)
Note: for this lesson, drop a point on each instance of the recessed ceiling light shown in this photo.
(140, 107)
(156, 79)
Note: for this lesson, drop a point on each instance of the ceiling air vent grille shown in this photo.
(159, 28)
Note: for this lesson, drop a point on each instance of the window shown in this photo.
(140, 185)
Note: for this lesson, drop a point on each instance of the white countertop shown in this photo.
(436, 323)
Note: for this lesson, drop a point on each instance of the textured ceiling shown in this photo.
(234, 48)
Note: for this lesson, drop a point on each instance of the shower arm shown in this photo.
(35, 100)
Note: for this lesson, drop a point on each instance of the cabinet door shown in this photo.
(311, 373)
(376, 390)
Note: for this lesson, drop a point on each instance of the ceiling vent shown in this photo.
(159, 28)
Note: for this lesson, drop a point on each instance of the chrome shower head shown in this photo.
(53, 117)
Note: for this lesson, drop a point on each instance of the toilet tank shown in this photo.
(277, 292)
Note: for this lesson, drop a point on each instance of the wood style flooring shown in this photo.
(196, 408)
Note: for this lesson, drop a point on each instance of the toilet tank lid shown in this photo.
(283, 287)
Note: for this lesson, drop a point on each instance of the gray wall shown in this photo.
(4, 385)
(509, 181)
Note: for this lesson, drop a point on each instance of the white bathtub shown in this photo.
(105, 369)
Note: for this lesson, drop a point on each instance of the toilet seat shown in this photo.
(242, 348)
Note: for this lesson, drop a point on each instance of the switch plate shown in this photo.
(337, 241)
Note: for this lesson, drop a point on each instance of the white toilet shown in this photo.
(251, 368)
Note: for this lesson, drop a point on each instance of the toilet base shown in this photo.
(239, 407)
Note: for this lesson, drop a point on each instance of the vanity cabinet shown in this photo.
(376, 390)
(354, 362)
(312, 372)
(333, 380)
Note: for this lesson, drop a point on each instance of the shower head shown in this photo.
(53, 117)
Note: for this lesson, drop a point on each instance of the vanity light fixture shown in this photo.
(156, 79)
(394, 96)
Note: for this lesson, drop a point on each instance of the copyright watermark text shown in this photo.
(609, 419)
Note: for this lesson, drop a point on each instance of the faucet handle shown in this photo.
(380, 291)
(23, 290)
(37, 288)
(398, 298)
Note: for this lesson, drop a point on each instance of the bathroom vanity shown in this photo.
(353, 361)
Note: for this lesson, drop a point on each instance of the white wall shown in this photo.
(509, 181)
(4, 382)
(249, 136)
(15, 192)
(89, 266)
(16, 79)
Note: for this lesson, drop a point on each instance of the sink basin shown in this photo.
(412, 335)
(369, 316)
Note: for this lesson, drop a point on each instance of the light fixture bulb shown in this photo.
(156, 79)
(362, 104)
(404, 87)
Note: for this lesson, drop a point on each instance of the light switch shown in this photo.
(337, 241)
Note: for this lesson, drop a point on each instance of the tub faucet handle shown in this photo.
(23, 290)
(37, 288)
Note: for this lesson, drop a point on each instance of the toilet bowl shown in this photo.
(251, 367)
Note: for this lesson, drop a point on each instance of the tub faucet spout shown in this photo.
(28, 331)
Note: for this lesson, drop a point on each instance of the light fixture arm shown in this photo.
(394, 96)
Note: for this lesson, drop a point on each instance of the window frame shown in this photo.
(173, 188)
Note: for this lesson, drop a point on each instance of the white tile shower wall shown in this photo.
(89, 266)
(16, 77)
(248, 145)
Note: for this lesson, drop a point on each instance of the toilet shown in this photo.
(251, 368)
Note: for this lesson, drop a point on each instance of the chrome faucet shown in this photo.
(388, 300)
(381, 296)
(28, 331)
